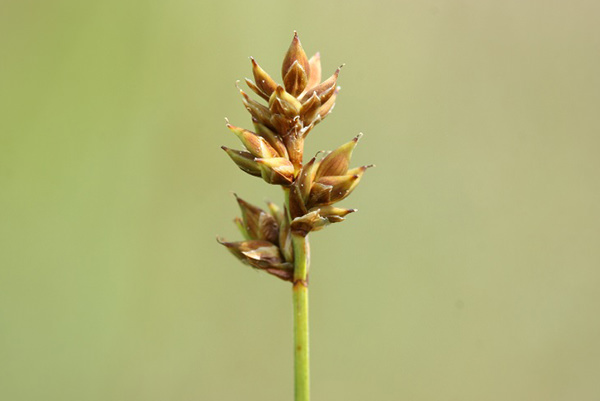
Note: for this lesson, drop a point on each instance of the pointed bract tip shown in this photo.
(323, 153)
(221, 240)
(226, 121)
(357, 137)
(225, 148)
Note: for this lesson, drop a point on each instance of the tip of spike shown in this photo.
(296, 39)
(357, 137)
(337, 71)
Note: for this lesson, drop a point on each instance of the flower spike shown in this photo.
(283, 116)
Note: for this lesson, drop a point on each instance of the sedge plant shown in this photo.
(276, 239)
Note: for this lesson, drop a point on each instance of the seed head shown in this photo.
(275, 151)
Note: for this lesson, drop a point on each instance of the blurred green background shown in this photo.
(471, 271)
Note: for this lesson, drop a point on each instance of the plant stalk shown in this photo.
(300, 297)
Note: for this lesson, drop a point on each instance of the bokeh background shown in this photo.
(471, 271)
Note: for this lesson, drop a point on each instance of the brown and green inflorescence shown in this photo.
(274, 152)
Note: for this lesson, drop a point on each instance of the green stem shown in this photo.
(300, 301)
(300, 296)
